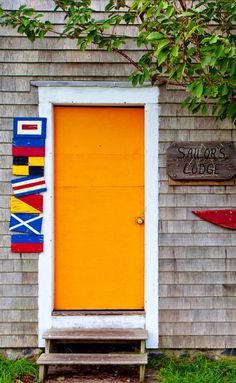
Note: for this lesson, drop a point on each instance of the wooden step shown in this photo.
(95, 334)
(92, 359)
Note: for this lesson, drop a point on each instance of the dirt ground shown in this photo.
(98, 375)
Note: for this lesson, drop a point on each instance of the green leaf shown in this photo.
(163, 43)
(169, 11)
(154, 36)
(214, 91)
(206, 60)
(204, 110)
(185, 102)
(196, 88)
(162, 56)
(189, 34)
(175, 51)
(186, 14)
(213, 39)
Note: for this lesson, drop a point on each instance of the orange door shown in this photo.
(99, 193)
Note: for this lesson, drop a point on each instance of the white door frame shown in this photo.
(79, 93)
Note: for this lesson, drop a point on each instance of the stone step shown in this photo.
(95, 334)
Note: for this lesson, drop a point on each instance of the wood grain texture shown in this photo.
(201, 161)
(201, 183)
(88, 359)
(96, 334)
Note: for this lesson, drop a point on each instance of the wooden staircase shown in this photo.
(103, 336)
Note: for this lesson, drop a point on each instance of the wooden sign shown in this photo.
(213, 161)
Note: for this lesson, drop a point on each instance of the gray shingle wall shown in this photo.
(197, 259)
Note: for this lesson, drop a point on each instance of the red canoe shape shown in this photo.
(225, 218)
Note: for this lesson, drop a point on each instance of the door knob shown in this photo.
(140, 220)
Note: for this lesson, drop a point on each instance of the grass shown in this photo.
(170, 369)
(198, 369)
(22, 369)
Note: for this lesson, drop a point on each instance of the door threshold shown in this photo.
(96, 312)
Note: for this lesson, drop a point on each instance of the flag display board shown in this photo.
(28, 150)
(26, 223)
(21, 243)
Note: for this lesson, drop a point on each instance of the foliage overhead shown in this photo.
(188, 43)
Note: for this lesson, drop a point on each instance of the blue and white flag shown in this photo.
(26, 223)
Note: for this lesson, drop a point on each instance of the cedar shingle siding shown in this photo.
(197, 259)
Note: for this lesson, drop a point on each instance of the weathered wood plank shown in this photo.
(197, 201)
(76, 56)
(26, 265)
(166, 188)
(52, 43)
(96, 334)
(198, 239)
(24, 278)
(190, 252)
(189, 227)
(5, 174)
(198, 315)
(18, 290)
(223, 328)
(87, 359)
(209, 342)
(4, 215)
(16, 316)
(4, 202)
(65, 69)
(14, 341)
(5, 241)
(6, 162)
(6, 266)
(18, 328)
(199, 135)
(166, 213)
(195, 303)
(22, 98)
(129, 31)
(197, 277)
(230, 182)
(226, 290)
(198, 265)
(17, 110)
(192, 122)
(18, 303)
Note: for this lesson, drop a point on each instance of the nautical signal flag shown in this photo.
(25, 166)
(31, 127)
(26, 223)
(21, 243)
(28, 147)
(27, 204)
(28, 185)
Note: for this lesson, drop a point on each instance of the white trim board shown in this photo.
(103, 95)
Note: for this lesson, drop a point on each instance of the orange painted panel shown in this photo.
(99, 191)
